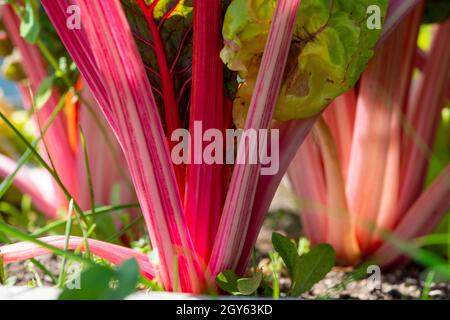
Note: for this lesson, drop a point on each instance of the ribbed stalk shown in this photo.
(378, 97)
(115, 254)
(307, 177)
(239, 201)
(396, 11)
(131, 110)
(340, 231)
(423, 116)
(204, 186)
(292, 135)
(340, 117)
(420, 219)
(389, 214)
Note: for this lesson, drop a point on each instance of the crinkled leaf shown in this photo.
(331, 48)
(245, 30)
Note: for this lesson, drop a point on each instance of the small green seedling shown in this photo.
(305, 270)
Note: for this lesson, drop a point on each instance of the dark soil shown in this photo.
(404, 283)
(28, 274)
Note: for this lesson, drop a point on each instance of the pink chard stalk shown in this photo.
(360, 177)
(155, 67)
(128, 99)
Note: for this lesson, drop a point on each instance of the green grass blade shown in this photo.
(8, 181)
(41, 267)
(433, 239)
(52, 172)
(85, 231)
(427, 286)
(12, 232)
(88, 172)
(125, 229)
(424, 257)
(27, 155)
(62, 271)
(98, 211)
(9, 209)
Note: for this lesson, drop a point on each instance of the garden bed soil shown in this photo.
(405, 283)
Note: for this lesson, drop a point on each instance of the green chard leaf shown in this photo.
(174, 21)
(331, 47)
